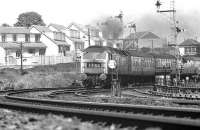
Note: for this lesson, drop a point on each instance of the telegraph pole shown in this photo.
(21, 57)
(175, 30)
(88, 36)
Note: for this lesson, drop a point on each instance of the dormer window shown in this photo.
(3, 37)
(27, 37)
(59, 36)
(74, 34)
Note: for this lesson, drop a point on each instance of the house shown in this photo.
(79, 37)
(189, 50)
(143, 39)
(189, 47)
(55, 42)
(10, 48)
(39, 45)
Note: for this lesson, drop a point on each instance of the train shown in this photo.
(132, 66)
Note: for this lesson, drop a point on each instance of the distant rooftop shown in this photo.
(42, 28)
(142, 35)
(190, 42)
(16, 30)
(58, 26)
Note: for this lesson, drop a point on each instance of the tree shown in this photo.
(29, 18)
(111, 28)
(5, 25)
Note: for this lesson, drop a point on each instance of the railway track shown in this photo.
(127, 115)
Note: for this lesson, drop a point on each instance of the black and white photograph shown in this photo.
(100, 65)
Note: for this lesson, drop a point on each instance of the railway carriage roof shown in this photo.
(126, 53)
(162, 55)
(139, 54)
(107, 49)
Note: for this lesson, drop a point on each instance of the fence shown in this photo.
(39, 60)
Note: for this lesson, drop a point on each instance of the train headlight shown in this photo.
(103, 76)
(83, 76)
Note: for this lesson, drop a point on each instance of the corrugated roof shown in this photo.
(58, 27)
(142, 35)
(190, 42)
(11, 30)
(12, 45)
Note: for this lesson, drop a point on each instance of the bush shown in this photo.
(46, 80)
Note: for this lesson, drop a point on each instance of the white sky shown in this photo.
(85, 11)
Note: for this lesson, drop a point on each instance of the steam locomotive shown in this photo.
(133, 67)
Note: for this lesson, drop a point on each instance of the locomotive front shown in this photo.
(94, 66)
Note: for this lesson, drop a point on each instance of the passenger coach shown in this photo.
(132, 67)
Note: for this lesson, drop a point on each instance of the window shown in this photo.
(31, 51)
(18, 53)
(60, 49)
(3, 37)
(193, 49)
(99, 43)
(75, 34)
(27, 37)
(37, 37)
(94, 33)
(42, 52)
(79, 45)
(14, 37)
(93, 65)
(190, 50)
(59, 36)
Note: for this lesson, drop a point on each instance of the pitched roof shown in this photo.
(190, 42)
(82, 28)
(142, 35)
(12, 45)
(11, 30)
(42, 28)
(58, 27)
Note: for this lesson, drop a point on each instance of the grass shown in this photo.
(60, 75)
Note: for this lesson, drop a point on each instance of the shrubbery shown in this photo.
(45, 80)
(37, 77)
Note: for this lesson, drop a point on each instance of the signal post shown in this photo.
(115, 85)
